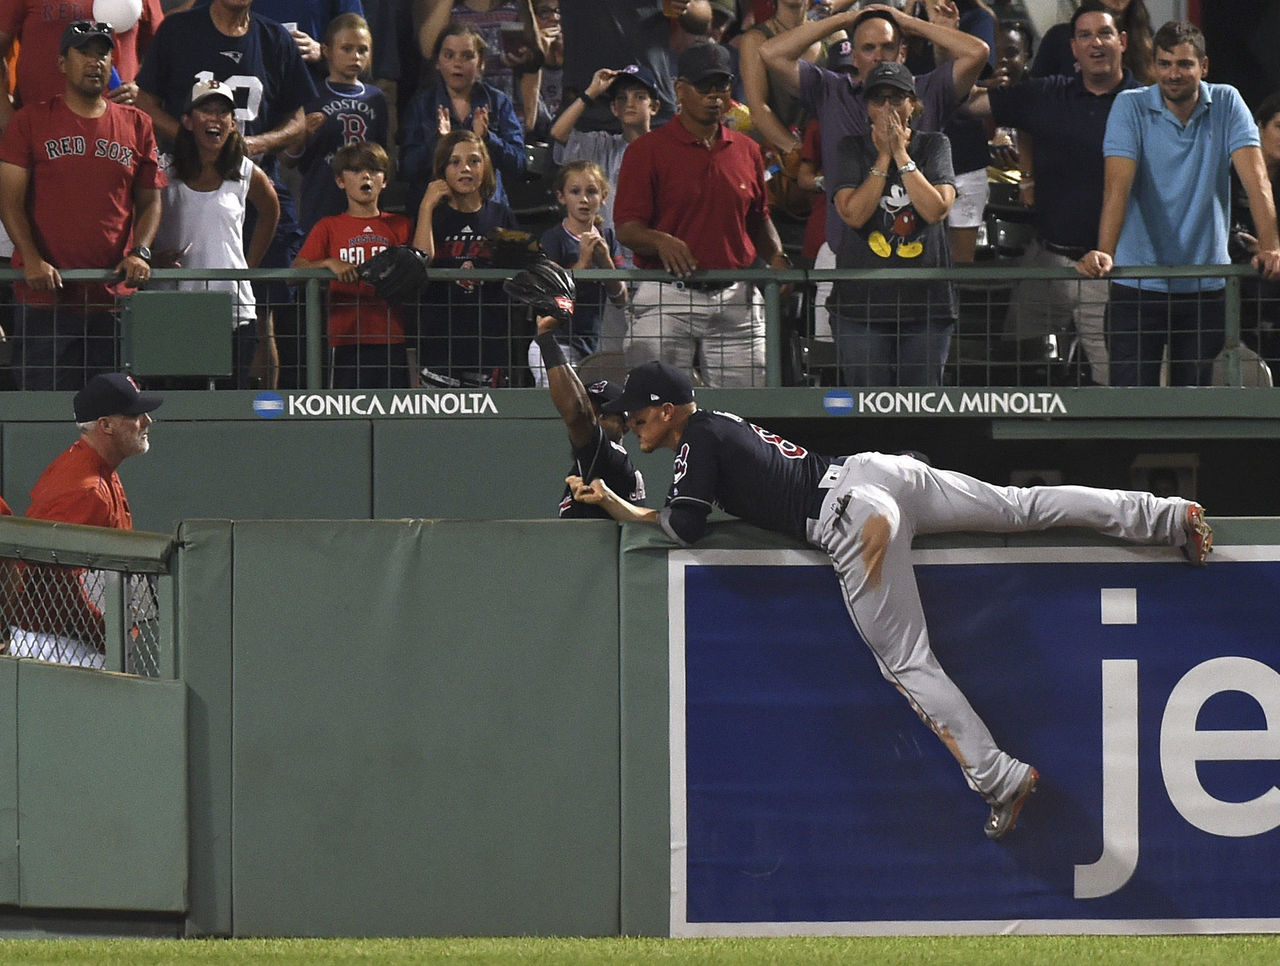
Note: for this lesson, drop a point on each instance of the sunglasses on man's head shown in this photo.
(91, 27)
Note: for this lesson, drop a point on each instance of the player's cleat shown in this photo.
(1004, 817)
(1199, 537)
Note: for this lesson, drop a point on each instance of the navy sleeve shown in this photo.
(506, 135)
(416, 143)
(685, 522)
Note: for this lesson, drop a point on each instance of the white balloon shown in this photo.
(121, 14)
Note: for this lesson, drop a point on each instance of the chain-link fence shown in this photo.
(1000, 322)
(108, 616)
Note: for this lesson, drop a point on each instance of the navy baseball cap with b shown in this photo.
(113, 394)
(634, 75)
(80, 32)
(652, 384)
(702, 61)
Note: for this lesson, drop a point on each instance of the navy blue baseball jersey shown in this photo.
(352, 112)
(602, 458)
(726, 462)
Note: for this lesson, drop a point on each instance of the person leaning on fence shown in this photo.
(58, 611)
(1168, 150)
(79, 185)
(691, 196)
(864, 510)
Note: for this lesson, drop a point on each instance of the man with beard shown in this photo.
(691, 196)
(58, 613)
(78, 145)
(1166, 201)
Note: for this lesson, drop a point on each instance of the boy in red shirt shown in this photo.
(366, 334)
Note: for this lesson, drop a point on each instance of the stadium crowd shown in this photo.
(684, 136)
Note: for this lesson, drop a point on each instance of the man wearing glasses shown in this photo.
(691, 197)
(79, 184)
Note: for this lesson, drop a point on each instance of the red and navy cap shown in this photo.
(112, 394)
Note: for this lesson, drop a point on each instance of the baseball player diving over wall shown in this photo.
(863, 511)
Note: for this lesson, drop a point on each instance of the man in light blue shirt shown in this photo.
(1168, 148)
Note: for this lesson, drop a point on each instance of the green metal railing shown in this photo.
(771, 283)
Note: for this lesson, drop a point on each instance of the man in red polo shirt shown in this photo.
(58, 614)
(691, 196)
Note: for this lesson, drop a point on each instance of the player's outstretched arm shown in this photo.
(598, 493)
(567, 391)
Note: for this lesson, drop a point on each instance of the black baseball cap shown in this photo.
(704, 60)
(890, 73)
(111, 394)
(604, 392)
(634, 75)
(80, 32)
(652, 384)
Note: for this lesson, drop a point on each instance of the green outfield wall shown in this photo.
(391, 727)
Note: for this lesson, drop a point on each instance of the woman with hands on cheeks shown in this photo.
(894, 188)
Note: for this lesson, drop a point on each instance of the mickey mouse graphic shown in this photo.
(903, 226)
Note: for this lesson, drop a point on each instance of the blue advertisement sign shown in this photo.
(808, 798)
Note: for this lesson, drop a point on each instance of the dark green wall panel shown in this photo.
(102, 790)
(425, 737)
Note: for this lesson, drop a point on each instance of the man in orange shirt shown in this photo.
(58, 616)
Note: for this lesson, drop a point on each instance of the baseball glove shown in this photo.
(396, 273)
(508, 248)
(545, 287)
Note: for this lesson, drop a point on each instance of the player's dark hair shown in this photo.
(456, 29)
(361, 156)
(488, 181)
(346, 21)
(187, 165)
(1177, 32)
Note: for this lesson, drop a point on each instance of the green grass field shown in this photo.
(942, 951)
